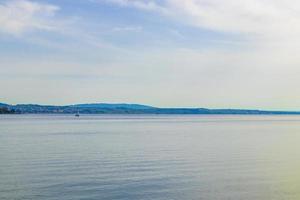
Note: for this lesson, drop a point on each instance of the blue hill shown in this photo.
(113, 106)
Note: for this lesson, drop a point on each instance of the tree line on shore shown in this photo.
(4, 110)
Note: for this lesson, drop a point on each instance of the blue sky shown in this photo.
(191, 53)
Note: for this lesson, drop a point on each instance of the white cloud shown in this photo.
(250, 17)
(127, 29)
(149, 5)
(263, 18)
(19, 16)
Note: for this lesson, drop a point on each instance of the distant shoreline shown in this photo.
(127, 109)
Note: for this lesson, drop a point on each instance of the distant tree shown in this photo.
(5, 110)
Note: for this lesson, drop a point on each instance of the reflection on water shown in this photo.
(149, 157)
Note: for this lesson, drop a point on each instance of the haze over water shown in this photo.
(149, 157)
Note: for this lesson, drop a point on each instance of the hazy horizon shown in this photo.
(169, 53)
(154, 106)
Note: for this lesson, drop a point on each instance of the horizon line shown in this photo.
(158, 107)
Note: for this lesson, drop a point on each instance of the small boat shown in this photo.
(77, 114)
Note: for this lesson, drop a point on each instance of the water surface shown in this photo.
(138, 157)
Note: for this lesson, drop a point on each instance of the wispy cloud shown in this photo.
(127, 29)
(255, 17)
(149, 5)
(19, 16)
(249, 17)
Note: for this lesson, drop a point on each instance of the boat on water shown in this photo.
(77, 114)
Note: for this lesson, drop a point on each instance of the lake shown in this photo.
(161, 157)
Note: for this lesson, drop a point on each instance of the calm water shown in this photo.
(149, 157)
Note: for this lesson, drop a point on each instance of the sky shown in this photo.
(166, 53)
